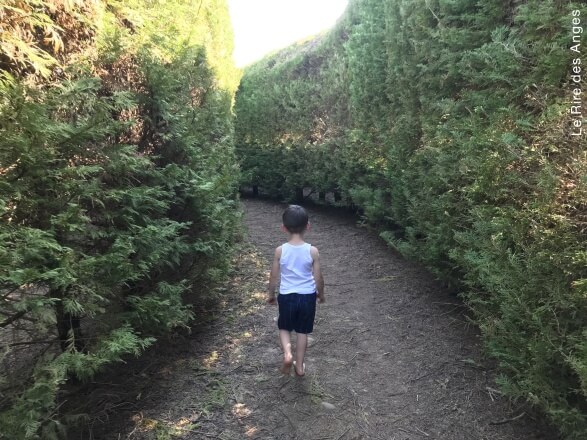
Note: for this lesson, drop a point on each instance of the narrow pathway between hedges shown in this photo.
(392, 356)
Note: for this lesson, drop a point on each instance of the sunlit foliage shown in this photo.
(447, 124)
(117, 186)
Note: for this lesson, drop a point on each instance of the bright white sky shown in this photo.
(261, 26)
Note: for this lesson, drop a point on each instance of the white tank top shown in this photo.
(296, 269)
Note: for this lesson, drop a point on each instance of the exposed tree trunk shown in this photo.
(255, 190)
(299, 197)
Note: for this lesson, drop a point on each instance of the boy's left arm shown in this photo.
(274, 277)
(318, 274)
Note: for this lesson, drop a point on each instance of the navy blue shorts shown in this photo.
(296, 312)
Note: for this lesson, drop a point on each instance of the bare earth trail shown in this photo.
(392, 357)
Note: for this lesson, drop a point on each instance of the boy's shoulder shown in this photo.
(314, 251)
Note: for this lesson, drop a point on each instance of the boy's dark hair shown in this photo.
(295, 219)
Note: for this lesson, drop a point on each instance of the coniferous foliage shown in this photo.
(117, 186)
(447, 124)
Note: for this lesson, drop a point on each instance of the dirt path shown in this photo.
(392, 357)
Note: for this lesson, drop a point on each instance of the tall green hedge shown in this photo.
(118, 184)
(447, 123)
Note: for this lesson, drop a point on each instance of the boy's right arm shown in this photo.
(318, 274)
(274, 277)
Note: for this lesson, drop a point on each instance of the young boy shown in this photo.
(300, 284)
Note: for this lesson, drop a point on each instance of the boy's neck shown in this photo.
(296, 239)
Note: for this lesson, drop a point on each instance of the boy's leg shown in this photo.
(301, 344)
(304, 326)
(285, 339)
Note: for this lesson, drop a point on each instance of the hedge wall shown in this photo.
(118, 185)
(447, 124)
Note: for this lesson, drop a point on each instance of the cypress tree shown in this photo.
(447, 125)
(117, 186)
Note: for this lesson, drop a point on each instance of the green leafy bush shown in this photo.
(118, 186)
(447, 123)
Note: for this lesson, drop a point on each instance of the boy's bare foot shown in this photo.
(296, 369)
(287, 363)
